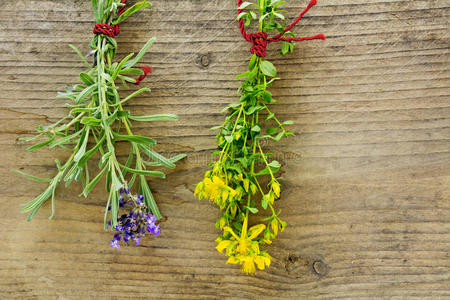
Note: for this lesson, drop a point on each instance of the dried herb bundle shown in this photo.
(234, 182)
(97, 115)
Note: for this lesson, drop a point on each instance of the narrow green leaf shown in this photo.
(82, 148)
(144, 172)
(88, 80)
(94, 182)
(136, 139)
(159, 117)
(86, 92)
(141, 53)
(119, 67)
(64, 139)
(245, 4)
(31, 176)
(157, 157)
(132, 10)
(41, 144)
(133, 95)
(78, 52)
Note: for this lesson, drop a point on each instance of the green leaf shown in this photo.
(144, 172)
(94, 182)
(242, 75)
(285, 46)
(141, 53)
(119, 67)
(41, 144)
(64, 139)
(270, 116)
(228, 138)
(148, 197)
(263, 17)
(133, 95)
(274, 164)
(82, 148)
(157, 157)
(95, 9)
(78, 52)
(86, 92)
(132, 71)
(132, 10)
(265, 201)
(241, 15)
(89, 153)
(252, 63)
(253, 109)
(288, 122)
(268, 68)
(267, 96)
(91, 121)
(31, 176)
(279, 136)
(245, 4)
(88, 80)
(136, 139)
(256, 128)
(159, 117)
(271, 130)
(177, 158)
(253, 210)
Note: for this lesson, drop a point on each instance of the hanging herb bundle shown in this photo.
(235, 181)
(97, 115)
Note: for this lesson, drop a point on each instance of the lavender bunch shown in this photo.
(97, 122)
(136, 223)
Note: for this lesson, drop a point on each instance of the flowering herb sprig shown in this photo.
(97, 115)
(234, 182)
(136, 223)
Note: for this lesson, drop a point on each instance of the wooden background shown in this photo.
(366, 178)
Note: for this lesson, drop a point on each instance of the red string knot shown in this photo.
(106, 29)
(259, 41)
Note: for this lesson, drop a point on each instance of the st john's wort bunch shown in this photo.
(234, 182)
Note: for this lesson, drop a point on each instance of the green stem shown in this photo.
(265, 161)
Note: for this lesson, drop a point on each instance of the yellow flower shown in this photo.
(263, 260)
(276, 188)
(222, 245)
(216, 190)
(247, 251)
(248, 265)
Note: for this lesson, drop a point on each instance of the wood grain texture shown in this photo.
(366, 178)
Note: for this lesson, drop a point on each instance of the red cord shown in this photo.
(260, 40)
(107, 29)
(114, 31)
(147, 70)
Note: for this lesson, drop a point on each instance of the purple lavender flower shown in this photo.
(136, 223)
(115, 241)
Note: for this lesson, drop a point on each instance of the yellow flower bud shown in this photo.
(253, 188)
(246, 183)
(274, 226)
(276, 188)
(237, 135)
(222, 223)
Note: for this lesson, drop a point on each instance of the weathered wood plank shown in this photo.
(366, 178)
